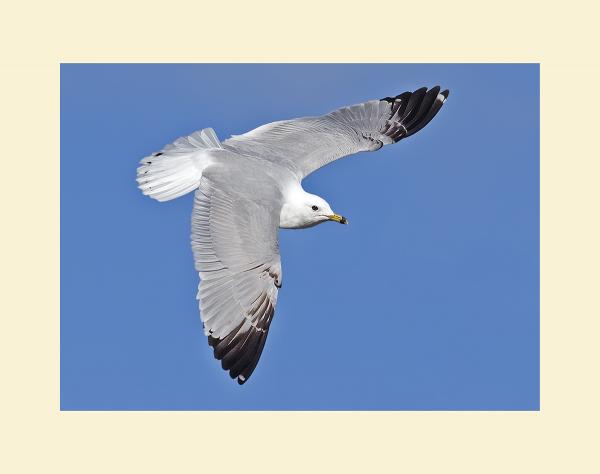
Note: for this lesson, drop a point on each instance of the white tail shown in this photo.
(177, 168)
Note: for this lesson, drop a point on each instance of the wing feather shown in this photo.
(306, 144)
(235, 246)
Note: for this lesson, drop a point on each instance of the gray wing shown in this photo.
(306, 144)
(234, 240)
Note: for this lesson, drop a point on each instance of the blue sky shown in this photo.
(428, 300)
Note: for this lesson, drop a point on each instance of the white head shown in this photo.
(306, 210)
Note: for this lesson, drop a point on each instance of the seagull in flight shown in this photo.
(249, 186)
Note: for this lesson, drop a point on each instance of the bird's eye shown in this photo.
(315, 208)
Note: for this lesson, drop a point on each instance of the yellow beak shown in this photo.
(338, 218)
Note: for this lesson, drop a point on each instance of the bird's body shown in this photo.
(249, 186)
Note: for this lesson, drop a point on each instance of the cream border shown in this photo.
(36, 437)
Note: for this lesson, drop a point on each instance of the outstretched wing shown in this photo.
(306, 144)
(236, 252)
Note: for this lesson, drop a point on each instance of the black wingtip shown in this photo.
(406, 95)
(413, 110)
(241, 349)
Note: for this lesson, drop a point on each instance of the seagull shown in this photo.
(249, 186)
